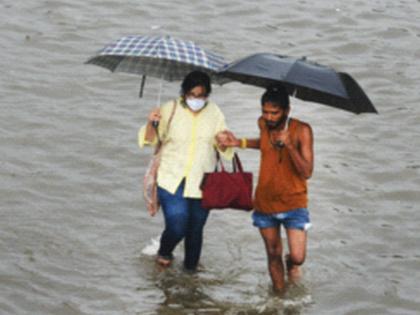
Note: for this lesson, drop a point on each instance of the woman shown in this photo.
(188, 152)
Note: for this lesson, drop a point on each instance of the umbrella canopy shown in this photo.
(303, 79)
(162, 57)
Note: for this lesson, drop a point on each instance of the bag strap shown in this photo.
(160, 142)
(219, 161)
(172, 116)
(236, 163)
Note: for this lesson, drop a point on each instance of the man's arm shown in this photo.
(251, 143)
(227, 139)
(301, 153)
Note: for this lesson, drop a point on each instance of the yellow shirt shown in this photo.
(188, 149)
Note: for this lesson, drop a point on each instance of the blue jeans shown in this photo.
(293, 219)
(184, 219)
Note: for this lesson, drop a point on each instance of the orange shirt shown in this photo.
(279, 187)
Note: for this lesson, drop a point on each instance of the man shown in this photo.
(286, 146)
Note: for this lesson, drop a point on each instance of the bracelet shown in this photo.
(244, 143)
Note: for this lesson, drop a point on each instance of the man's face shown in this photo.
(273, 115)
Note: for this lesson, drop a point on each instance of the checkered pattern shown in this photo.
(158, 56)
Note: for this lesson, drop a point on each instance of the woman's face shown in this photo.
(197, 92)
(196, 98)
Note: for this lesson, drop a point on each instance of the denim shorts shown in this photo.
(293, 219)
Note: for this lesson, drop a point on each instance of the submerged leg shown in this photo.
(274, 249)
(297, 252)
(194, 235)
(175, 211)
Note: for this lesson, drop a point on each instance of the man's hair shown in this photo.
(277, 95)
(196, 78)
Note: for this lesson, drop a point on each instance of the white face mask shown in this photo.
(195, 103)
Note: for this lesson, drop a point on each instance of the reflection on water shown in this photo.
(183, 293)
(191, 293)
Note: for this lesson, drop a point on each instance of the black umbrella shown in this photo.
(305, 80)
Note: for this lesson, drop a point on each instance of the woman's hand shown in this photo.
(154, 115)
(226, 139)
(153, 121)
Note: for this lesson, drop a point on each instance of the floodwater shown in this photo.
(75, 237)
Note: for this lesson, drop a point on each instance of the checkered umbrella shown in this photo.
(162, 57)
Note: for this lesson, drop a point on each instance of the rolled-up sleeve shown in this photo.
(141, 138)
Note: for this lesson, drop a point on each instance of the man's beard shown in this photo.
(275, 124)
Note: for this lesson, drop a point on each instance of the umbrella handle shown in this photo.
(155, 123)
(143, 81)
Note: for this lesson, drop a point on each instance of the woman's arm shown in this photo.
(147, 134)
(154, 117)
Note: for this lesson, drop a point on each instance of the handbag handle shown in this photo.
(219, 161)
(236, 163)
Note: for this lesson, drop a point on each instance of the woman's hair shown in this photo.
(277, 95)
(196, 78)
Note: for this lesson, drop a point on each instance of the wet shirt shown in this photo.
(279, 187)
(189, 146)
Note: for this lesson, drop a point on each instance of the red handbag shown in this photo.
(222, 189)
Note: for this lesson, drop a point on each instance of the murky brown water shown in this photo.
(72, 220)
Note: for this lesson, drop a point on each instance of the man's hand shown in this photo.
(283, 136)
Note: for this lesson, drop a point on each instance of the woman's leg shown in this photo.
(194, 235)
(175, 211)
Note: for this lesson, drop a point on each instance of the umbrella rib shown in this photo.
(178, 56)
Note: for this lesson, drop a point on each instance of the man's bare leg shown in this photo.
(297, 252)
(274, 250)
